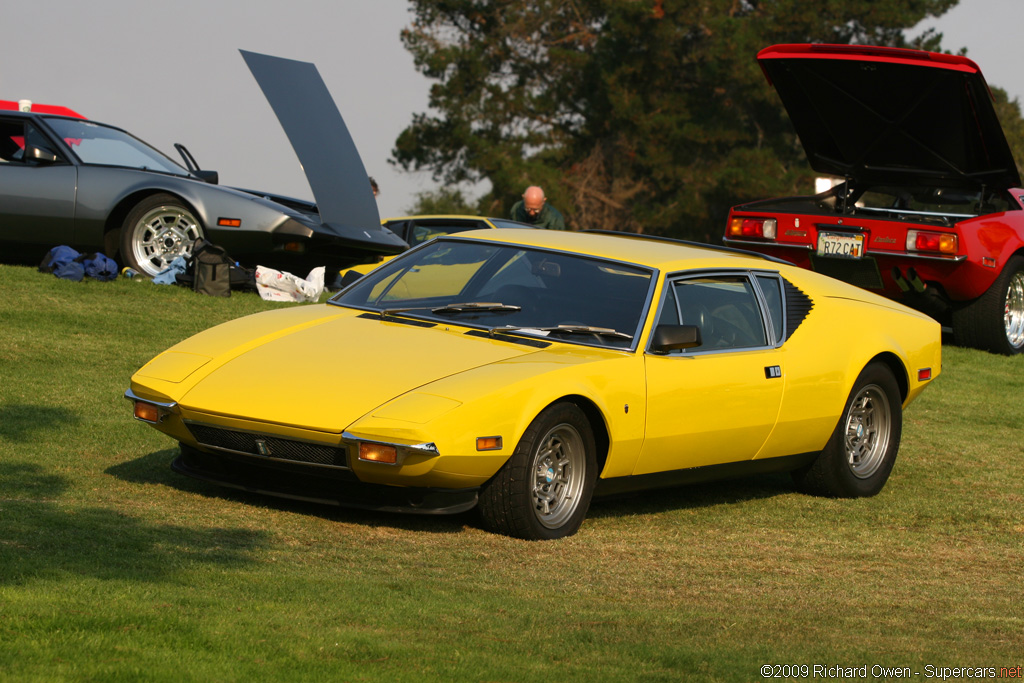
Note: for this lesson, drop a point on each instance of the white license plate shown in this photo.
(840, 244)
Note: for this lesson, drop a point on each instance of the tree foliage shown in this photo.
(640, 115)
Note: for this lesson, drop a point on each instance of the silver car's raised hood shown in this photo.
(890, 115)
(329, 157)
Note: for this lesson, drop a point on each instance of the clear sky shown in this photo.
(171, 72)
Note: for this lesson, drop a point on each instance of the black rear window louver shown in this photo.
(798, 305)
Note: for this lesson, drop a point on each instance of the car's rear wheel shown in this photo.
(544, 489)
(157, 230)
(995, 320)
(861, 452)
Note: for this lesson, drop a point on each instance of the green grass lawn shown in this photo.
(113, 568)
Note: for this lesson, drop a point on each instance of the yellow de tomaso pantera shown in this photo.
(525, 371)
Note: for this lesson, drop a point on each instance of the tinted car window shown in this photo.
(15, 134)
(725, 309)
(771, 287)
(510, 286)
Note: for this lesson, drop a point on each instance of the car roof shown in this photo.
(11, 105)
(892, 115)
(645, 250)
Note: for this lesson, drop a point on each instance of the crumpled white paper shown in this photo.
(273, 285)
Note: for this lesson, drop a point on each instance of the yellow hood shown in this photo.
(326, 375)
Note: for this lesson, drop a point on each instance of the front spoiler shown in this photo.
(314, 485)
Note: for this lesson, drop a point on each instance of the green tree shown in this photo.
(442, 201)
(641, 115)
(1009, 115)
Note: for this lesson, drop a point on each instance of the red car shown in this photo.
(929, 211)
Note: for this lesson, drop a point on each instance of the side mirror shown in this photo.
(674, 337)
(211, 177)
(348, 278)
(39, 154)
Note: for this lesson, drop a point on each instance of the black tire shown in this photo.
(156, 231)
(995, 320)
(858, 458)
(544, 489)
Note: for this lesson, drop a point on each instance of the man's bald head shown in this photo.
(533, 200)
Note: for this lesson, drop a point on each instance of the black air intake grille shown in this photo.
(265, 446)
(798, 305)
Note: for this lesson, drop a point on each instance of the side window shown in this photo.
(725, 309)
(12, 141)
(771, 287)
(670, 310)
(15, 135)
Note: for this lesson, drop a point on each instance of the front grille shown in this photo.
(266, 446)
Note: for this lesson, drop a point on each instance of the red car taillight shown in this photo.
(936, 242)
(762, 228)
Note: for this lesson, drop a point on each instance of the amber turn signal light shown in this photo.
(378, 452)
(229, 222)
(147, 412)
(488, 443)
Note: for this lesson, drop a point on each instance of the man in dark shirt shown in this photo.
(533, 208)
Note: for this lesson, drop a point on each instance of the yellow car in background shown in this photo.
(525, 371)
(419, 229)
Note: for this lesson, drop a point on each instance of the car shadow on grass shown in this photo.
(43, 536)
(693, 496)
(155, 468)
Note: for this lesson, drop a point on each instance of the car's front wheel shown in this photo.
(995, 320)
(543, 491)
(157, 230)
(859, 456)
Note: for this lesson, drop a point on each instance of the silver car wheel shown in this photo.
(1013, 315)
(161, 235)
(559, 470)
(867, 431)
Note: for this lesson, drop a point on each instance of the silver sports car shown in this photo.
(67, 180)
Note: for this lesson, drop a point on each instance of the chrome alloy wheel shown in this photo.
(161, 235)
(1013, 315)
(559, 472)
(867, 431)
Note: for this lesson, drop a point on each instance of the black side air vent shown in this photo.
(798, 305)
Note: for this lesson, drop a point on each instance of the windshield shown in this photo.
(95, 143)
(509, 289)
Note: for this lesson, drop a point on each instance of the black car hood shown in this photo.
(889, 115)
(328, 155)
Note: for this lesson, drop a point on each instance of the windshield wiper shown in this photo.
(471, 307)
(567, 329)
(477, 306)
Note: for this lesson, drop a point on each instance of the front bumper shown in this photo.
(326, 485)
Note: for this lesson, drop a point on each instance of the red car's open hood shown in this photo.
(889, 115)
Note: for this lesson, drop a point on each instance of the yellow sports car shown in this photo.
(525, 371)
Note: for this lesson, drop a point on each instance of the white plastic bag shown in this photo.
(273, 285)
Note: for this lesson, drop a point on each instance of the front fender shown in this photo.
(502, 399)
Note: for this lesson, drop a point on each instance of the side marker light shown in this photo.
(488, 443)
